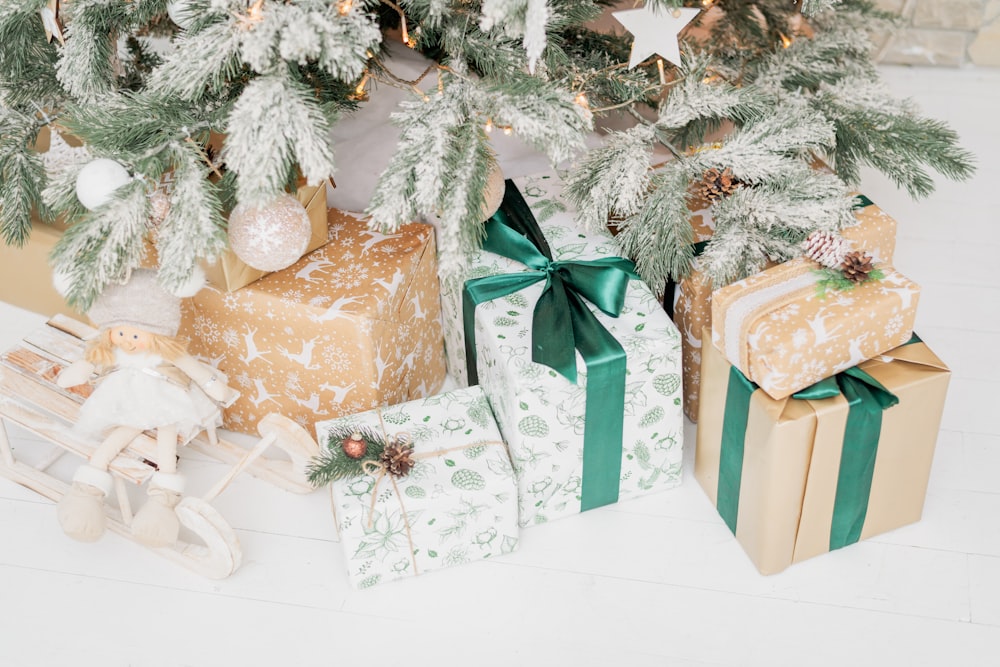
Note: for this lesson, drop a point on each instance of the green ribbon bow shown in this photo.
(561, 324)
(866, 399)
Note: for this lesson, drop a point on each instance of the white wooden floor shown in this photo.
(657, 581)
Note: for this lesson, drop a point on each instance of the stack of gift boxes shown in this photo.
(570, 393)
(817, 407)
(575, 401)
(575, 396)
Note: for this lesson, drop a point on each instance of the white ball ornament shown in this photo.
(98, 180)
(271, 237)
(180, 13)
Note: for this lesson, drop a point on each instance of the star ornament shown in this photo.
(655, 30)
(52, 21)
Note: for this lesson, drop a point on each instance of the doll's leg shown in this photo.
(156, 524)
(81, 510)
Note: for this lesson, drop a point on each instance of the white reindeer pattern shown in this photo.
(818, 326)
(303, 358)
(252, 353)
(374, 238)
(307, 271)
(339, 392)
(336, 309)
(262, 394)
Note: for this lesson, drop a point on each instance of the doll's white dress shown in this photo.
(137, 394)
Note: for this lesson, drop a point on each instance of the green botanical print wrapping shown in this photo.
(455, 506)
(541, 414)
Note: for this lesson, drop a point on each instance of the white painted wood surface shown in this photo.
(656, 581)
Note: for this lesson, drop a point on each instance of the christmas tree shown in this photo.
(233, 101)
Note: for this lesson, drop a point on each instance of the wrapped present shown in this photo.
(25, 274)
(350, 326)
(230, 273)
(837, 463)
(874, 231)
(456, 504)
(785, 331)
(586, 426)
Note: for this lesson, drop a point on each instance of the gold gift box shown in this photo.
(793, 449)
(875, 231)
(349, 327)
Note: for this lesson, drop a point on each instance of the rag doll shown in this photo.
(146, 382)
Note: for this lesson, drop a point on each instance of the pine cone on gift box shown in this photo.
(826, 248)
(397, 457)
(856, 266)
(718, 184)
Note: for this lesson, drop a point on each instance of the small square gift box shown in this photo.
(838, 462)
(792, 325)
(580, 362)
(418, 486)
(349, 326)
(874, 231)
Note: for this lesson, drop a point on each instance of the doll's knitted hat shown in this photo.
(139, 302)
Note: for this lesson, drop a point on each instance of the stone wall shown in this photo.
(943, 32)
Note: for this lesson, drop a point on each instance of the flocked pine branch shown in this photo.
(194, 226)
(525, 19)
(274, 125)
(103, 246)
(613, 179)
(875, 129)
(815, 6)
(443, 156)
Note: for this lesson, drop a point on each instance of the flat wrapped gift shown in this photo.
(874, 231)
(457, 504)
(785, 331)
(585, 427)
(350, 326)
(839, 462)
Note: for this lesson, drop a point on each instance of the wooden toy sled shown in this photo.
(30, 398)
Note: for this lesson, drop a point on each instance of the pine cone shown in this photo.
(397, 457)
(856, 266)
(826, 248)
(718, 184)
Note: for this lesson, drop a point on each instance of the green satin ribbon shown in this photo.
(561, 324)
(861, 201)
(866, 399)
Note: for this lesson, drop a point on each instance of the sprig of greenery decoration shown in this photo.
(334, 464)
(832, 279)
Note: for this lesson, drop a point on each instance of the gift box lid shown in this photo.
(337, 279)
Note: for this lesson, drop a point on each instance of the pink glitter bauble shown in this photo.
(272, 237)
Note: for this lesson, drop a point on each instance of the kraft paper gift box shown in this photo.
(352, 325)
(458, 504)
(798, 477)
(875, 232)
(785, 333)
(605, 427)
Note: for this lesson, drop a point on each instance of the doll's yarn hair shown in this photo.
(101, 351)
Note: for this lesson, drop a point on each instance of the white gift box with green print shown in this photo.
(458, 503)
(565, 459)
